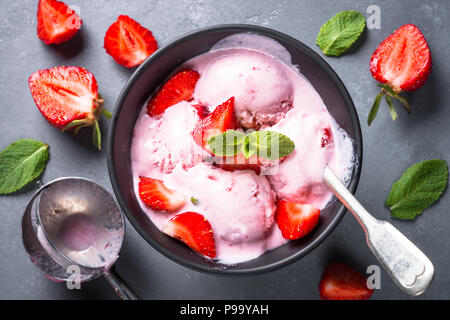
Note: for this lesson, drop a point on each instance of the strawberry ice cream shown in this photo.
(263, 94)
(240, 203)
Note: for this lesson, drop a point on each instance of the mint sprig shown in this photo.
(20, 163)
(418, 188)
(265, 144)
(339, 33)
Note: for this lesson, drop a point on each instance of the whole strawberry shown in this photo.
(68, 98)
(402, 62)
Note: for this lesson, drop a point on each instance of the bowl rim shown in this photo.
(237, 28)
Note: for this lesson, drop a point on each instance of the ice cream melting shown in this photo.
(270, 94)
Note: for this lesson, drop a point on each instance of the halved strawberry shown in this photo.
(128, 42)
(68, 98)
(402, 62)
(158, 197)
(194, 230)
(56, 22)
(178, 88)
(217, 122)
(295, 219)
(341, 282)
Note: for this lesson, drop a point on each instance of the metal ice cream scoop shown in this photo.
(74, 225)
(410, 269)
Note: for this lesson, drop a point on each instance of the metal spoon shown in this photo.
(74, 222)
(410, 269)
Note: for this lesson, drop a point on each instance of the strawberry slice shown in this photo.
(68, 98)
(179, 87)
(341, 282)
(217, 122)
(56, 22)
(128, 42)
(158, 197)
(239, 162)
(295, 219)
(327, 137)
(402, 62)
(194, 230)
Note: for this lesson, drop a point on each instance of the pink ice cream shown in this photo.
(270, 94)
(258, 82)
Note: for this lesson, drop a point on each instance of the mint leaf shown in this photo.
(340, 32)
(265, 144)
(228, 143)
(419, 187)
(20, 163)
(194, 201)
(271, 145)
(248, 148)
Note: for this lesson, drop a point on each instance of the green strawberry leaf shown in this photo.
(106, 113)
(375, 107)
(20, 163)
(77, 124)
(418, 188)
(97, 136)
(339, 33)
(391, 107)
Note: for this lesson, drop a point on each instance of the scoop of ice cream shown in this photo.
(239, 205)
(299, 176)
(160, 144)
(262, 90)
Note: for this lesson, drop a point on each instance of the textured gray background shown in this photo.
(389, 148)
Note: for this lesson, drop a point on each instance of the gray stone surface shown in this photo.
(389, 148)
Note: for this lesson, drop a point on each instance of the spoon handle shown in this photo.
(120, 287)
(410, 269)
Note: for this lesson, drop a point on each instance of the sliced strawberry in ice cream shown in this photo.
(158, 197)
(327, 137)
(178, 88)
(217, 122)
(194, 230)
(295, 219)
(239, 162)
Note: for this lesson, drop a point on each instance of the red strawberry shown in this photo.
(56, 22)
(217, 122)
(68, 98)
(295, 219)
(341, 282)
(158, 197)
(402, 62)
(128, 42)
(239, 162)
(178, 88)
(194, 230)
(327, 137)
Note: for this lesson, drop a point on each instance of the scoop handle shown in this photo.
(408, 267)
(119, 285)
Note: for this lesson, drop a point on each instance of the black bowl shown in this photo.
(147, 78)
